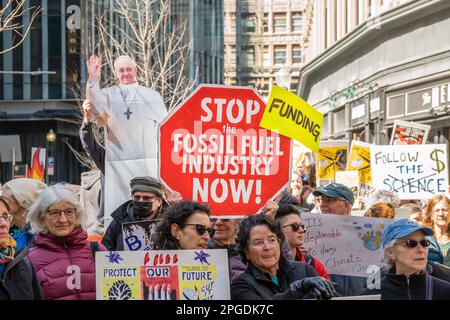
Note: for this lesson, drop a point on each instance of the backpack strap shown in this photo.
(94, 247)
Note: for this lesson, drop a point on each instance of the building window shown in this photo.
(280, 55)
(296, 22)
(233, 55)
(296, 54)
(266, 57)
(279, 23)
(248, 22)
(249, 53)
(232, 20)
(266, 22)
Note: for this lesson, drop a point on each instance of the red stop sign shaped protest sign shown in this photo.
(212, 150)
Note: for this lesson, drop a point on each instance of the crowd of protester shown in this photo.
(44, 236)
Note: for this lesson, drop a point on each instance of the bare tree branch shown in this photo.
(11, 15)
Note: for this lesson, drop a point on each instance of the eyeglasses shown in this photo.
(56, 214)
(214, 220)
(201, 229)
(413, 243)
(145, 198)
(260, 242)
(7, 217)
(296, 226)
(327, 200)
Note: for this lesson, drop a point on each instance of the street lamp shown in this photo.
(51, 137)
(283, 78)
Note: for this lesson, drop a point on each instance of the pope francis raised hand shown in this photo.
(131, 114)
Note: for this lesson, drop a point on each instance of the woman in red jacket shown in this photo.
(288, 216)
(62, 255)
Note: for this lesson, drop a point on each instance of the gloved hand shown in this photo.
(318, 286)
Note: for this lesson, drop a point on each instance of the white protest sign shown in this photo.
(346, 245)
(162, 275)
(410, 171)
(137, 235)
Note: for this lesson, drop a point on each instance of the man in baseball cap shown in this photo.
(335, 198)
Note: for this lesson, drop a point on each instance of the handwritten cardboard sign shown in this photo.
(162, 275)
(411, 171)
(346, 245)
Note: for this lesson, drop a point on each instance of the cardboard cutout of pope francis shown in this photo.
(131, 114)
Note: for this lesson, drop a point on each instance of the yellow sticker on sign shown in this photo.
(292, 117)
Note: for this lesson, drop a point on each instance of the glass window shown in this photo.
(248, 22)
(266, 22)
(233, 55)
(232, 23)
(296, 21)
(249, 53)
(296, 54)
(279, 23)
(266, 57)
(280, 55)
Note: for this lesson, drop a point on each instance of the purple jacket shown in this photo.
(65, 266)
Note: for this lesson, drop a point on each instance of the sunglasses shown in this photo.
(413, 243)
(296, 226)
(214, 220)
(201, 229)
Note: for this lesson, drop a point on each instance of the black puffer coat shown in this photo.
(255, 285)
(19, 281)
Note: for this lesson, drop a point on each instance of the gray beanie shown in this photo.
(146, 184)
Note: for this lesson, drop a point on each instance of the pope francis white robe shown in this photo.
(132, 114)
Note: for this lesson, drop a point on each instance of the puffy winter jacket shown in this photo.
(65, 266)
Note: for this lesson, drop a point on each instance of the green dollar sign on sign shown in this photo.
(440, 166)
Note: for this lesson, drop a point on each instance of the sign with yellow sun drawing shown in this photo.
(331, 158)
(163, 275)
(346, 245)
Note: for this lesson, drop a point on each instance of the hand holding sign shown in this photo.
(271, 207)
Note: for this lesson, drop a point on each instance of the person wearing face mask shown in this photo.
(147, 203)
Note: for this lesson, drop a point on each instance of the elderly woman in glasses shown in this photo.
(185, 225)
(62, 256)
(17, 277)
(288, 216)
(405, 254)
(269, 275)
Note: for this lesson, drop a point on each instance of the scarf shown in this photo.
(7, 252)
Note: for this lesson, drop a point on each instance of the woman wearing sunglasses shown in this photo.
(288, 216)
(185, 225)
(405, 253)
(62, 255)
(269, 275)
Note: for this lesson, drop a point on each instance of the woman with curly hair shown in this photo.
(185, 225)
(381, 210)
